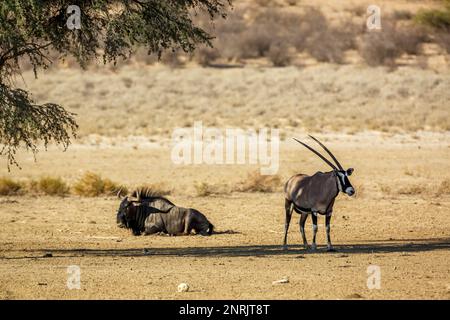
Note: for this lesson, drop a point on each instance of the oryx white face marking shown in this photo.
(344, 183)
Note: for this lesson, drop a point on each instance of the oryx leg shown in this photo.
(328, 227)
(314, 226)
(288, 208)
(303, 219)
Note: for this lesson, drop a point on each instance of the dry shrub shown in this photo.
(10, 187)
(205, 56)
(383, 47)
(402, 15)
(385, 189)
(49, 186)
(435, 18)
(279, 55)
(410, 38)
(328, 43)
(379, 48)
(443, 39)
(172, 59)
(255, 182)
(203, 189)
(414, 189)
(92, 185)
(444, 187)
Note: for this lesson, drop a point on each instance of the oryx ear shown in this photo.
(350, 171)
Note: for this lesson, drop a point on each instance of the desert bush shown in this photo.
(279, 55)
(203, 189)
(379, 47)
(443, 39)
(172, 59)
(385, 189)
(92, 185)
(328, 43)
(255, 182)
(444, 187)
(402, 15)
(435, 18)
(383, 47)
(10, 187)
(49, 186)
(409, 39)
(414, 189)
(205, 56)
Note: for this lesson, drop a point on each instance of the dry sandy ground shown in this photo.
(406, 235)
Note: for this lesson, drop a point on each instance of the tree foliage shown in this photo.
(110, 29)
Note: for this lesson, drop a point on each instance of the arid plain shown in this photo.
(392, 126)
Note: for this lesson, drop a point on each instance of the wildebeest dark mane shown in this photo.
(146, 193)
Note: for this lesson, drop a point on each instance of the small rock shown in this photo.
(146, 251)
(355, 296)
(300, 257)
(42, 284)
(283, 280)
(47, 255)
(183, 287)
(395, 268)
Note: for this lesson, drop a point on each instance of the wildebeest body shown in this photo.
(149, 214)
(178, 221)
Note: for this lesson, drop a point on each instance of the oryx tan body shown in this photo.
(315, 194)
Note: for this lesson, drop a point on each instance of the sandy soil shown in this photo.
(406, 234)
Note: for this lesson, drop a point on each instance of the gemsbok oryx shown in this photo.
(315, 194)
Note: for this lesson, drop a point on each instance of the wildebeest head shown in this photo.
(121, 213)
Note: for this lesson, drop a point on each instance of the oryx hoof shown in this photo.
(284, 247)
(313, 247)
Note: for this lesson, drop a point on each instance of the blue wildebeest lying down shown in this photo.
(145, 212)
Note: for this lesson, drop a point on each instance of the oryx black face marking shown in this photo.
(316, 194)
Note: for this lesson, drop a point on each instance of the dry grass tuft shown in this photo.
(444, 187)
(93, 185)
(49, 186)
(414, 189)
(255, 182)
(10, 187)
(203, 189)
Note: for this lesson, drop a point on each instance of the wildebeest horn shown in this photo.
(328, 151)
(318, 154)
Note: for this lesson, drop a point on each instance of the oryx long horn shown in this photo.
(119, 192)
(328, 151)
(318, 154)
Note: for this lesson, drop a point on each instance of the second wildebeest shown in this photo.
(144, 212)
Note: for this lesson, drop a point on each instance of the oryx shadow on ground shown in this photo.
(404, 246)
